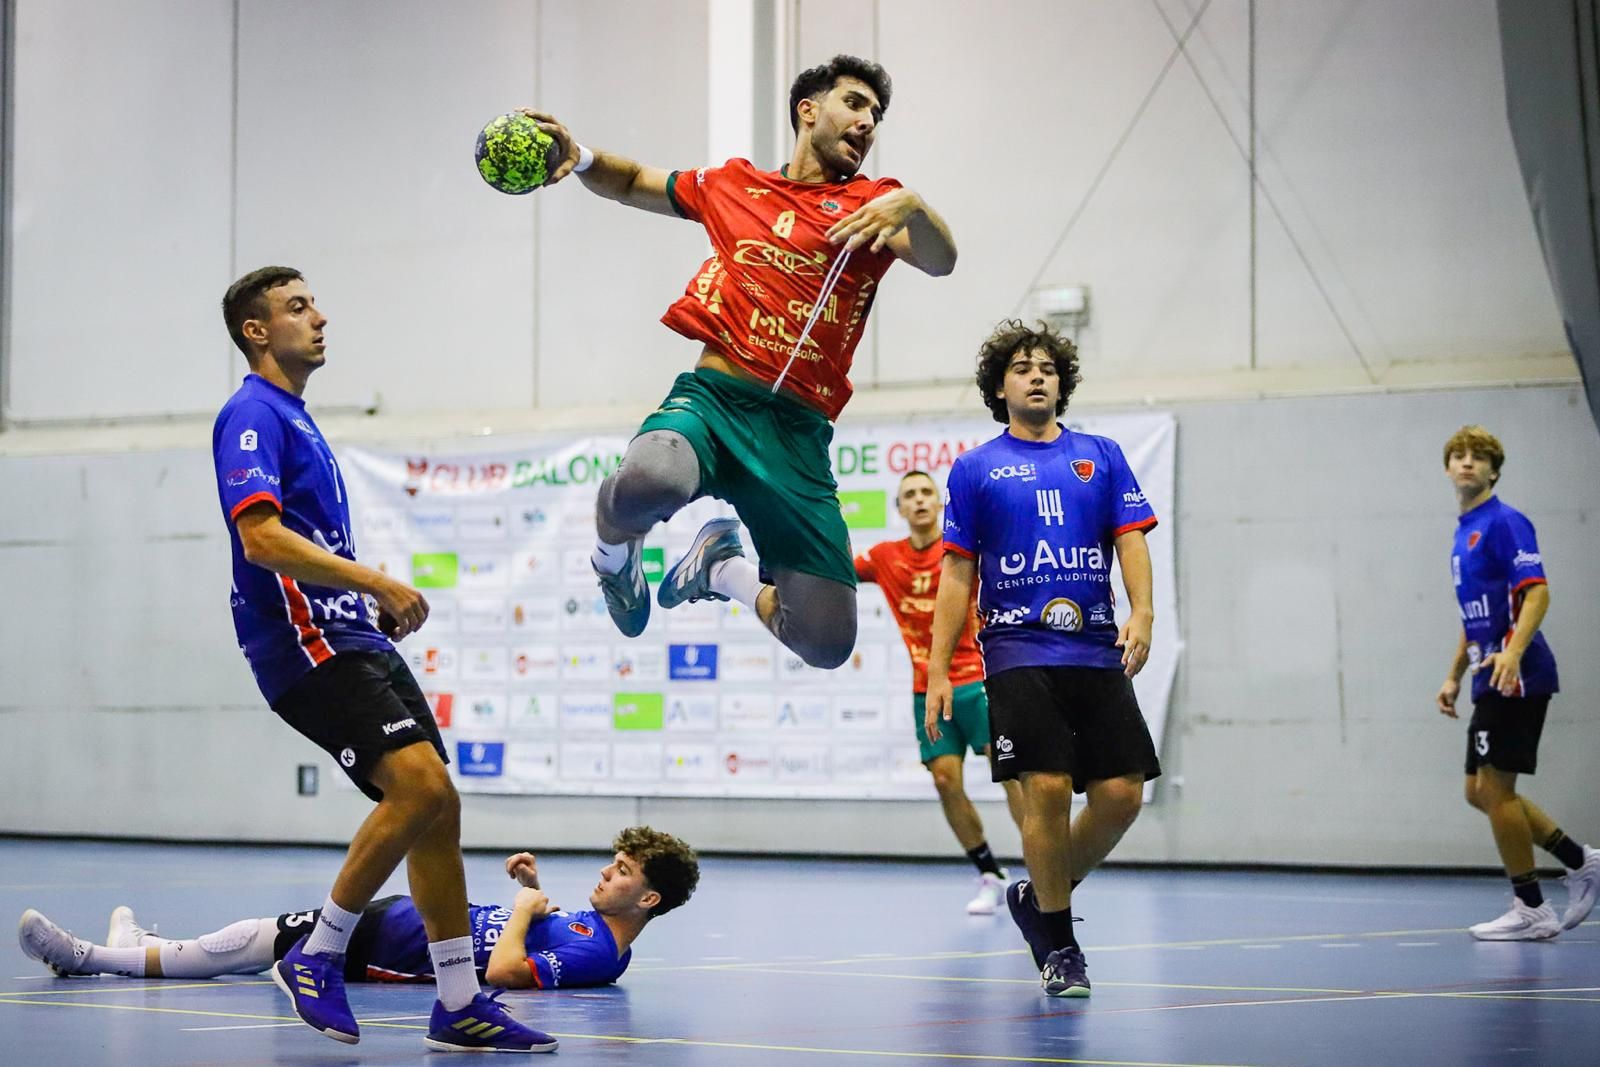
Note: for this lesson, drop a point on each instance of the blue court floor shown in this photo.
(780, 962)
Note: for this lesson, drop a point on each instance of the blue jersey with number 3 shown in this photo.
(268, 451)
(1040, 518)
(1494, 560)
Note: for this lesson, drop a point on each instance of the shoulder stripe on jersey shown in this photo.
(315, 646)
(256, 498)
(538, 983)
(1142, 524)
(956, 550)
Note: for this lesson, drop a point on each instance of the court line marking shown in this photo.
(143, 985)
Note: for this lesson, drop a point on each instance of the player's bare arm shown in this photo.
(508, 961)
(610, 175)
(1506, 664)
(269, 544)
(524, 868)
(1451, 689)
(903, 221)
(950, 608)
(1133, 555)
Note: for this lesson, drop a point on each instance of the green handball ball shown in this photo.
(514, 155)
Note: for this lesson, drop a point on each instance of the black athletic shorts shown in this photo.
(357, 706)
(1504, 732)
(1081, 721)
(294, 925)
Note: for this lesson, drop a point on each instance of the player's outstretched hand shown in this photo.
(569, 146)
(405, 608)
(940, 705)
(524, 868)
(876, 221)
(533, 901)
(1447, 697)
(1134, 640)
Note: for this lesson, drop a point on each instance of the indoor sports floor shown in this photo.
(782, 961)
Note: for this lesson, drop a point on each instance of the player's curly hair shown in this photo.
(247, 299)
(669, 865)
(1475, 440)
(1011, 337)
(816, 81)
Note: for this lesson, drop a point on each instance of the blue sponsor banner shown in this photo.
(481, 759)
(692, 663)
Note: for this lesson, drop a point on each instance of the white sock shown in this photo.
(608, 558)
(331, 935)
(737, 579)
(245, 947)
(128, 962)
(453, 970)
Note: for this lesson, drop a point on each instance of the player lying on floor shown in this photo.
(531, 944)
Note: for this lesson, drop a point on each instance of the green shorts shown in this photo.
(968, 726)
(768, 457)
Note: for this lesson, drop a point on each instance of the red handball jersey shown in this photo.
(751, 299)
(909, 578)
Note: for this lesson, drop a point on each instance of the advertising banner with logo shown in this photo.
(536, 692)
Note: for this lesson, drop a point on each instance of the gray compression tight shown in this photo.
(816, 617)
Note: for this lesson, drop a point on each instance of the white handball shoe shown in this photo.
(1583, 886)
(1521, 923)
(991, 891)
(124, 932)
(52, 946)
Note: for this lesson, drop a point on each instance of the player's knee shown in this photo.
(1046, 793)
(826, 651)
(945, 780)
(659, 476)
(1471, 794)
(1120, 800)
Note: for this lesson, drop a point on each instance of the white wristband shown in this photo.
(585, 159)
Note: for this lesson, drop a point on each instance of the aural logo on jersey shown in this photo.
(1527, 559)
(1473, 538)
(1050, 506)
(1005, 616)
(248, 441)
(1062, 614)
(1072, 557)
(1083, 468)
(582, 929)
(1014, 470)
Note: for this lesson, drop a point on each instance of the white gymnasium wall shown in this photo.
(1391, 231)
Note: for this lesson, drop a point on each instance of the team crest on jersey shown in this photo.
(580, 928)
(1473, 538)
(831, 206)
(1083, 468)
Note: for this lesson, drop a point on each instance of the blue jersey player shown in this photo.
(1036, 513)
(304, 622)
(530, 945)
(1503, 595)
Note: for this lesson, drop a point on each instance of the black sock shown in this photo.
(1567, 851)
(1058, 928)
(1526, 887)
(984, 859)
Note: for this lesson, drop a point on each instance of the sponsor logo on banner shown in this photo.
(867, 662)
(485, 664)
(585, 761)
(481, 524)
(859, 714)
(577, 569)
(636, 663)
(636, 762)
(534, 712)
(535, 663)
(692, 663)
(586, 663)
(791, 668)
(586, 612)
(747, 761)
(746, 662)
(859, 763)
(746, 711)
(434, 570)
(482, 616)
(802, 763)
(536, 569)
(442, 705)
(432, 524)
(484, 570)
(587, 711)
(442, 618)
(432, 662)
(695, 617)
(532, 761)
(483, 713)
(865, 509)
(577, 523)
(480, 759)
(653, 562)
(530, 521)
(637, 711)
(805, 712)
(689, 763)
(536, 614)
(691, 711)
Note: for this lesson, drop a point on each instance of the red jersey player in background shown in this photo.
(752, 423)
(908, 573)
